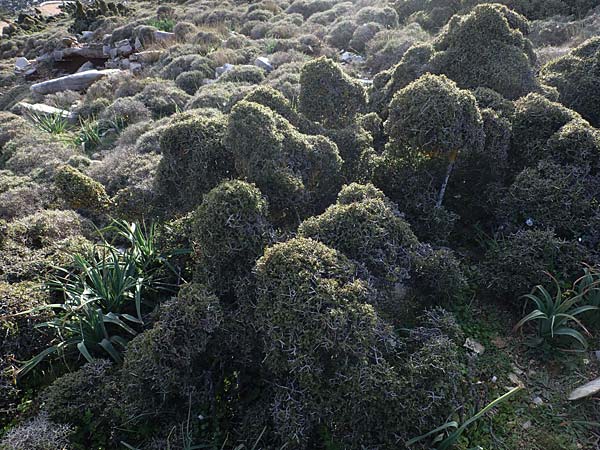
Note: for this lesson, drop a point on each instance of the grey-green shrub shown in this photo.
(195, 160)
(231, 229)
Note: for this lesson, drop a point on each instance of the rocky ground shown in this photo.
(16, 5)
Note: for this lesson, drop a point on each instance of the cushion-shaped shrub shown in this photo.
(194, 161)
(230, 230)
(244, 74)
(576, 77)
(168, 365)
(486, 48)
(535, 120)
(297, 173)
(385, 16)
(436, 118)
(190, 81)
(222, 96)
(80, 191)
(368, 231)
(328, 95)
(575, 143)
(163, 98)
(72, 399)
(518, 262)
(552, 196)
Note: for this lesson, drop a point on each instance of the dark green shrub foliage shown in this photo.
(553, 196)
(576, 77)
(190, 81)
(368, 231)
(329, 96)
(80, 191)
(244, 74)
(194, 161)
(167, 366)
(535, 120)
(486, 48)
(518, 261)
(434, 116)
(73, 398)
(296, 172)
(230, 230)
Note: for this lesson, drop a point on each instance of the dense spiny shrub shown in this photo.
(21, 340)
(575, 143)
(387, 47)
(46, 227)
(194, 161)
(125, 111)
(488, 98)
(384, 16)
(309, 7)
(385, 84)
(190, 81)
(73, 398)
(411, 180)
(486, 48)
(243, 74)
(436, 275)
(301, 283)
(163, 98)
(352, 143)
(362, 35)
(317, 329)
(480, 171)
(80, 191)
(434, 116)
(222, 96)
(535, 120)
(230, 229)
(185, 63)
(576, 77)
(518, 261)
(167, 366)
(184, 31)
(329, 96)
(356, 192)
(296, 172)
(340, 34)
(552, 196)
(38, 433)
(368, 231)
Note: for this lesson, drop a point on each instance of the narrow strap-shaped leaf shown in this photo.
(84, 351)
(444, 427)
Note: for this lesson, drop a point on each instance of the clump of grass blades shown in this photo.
(445, 439)
(55, 123)
(104, 295)
(553, 314)
(165, 24)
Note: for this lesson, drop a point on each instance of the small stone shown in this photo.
(135, 67)
(494, 379)
(537, 401)
(351, 58)
(86, 66)
(474, 346)
(514, 378)
(591, 388)
(263, 63)
(223, 69)
(22, 63)
(86, 35)
(597, 355)
(526, 425)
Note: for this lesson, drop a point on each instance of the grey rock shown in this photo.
(76, 82)
(591, 388)
(351, 58)
(223, 69)
(263, 63)
(86, 66)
